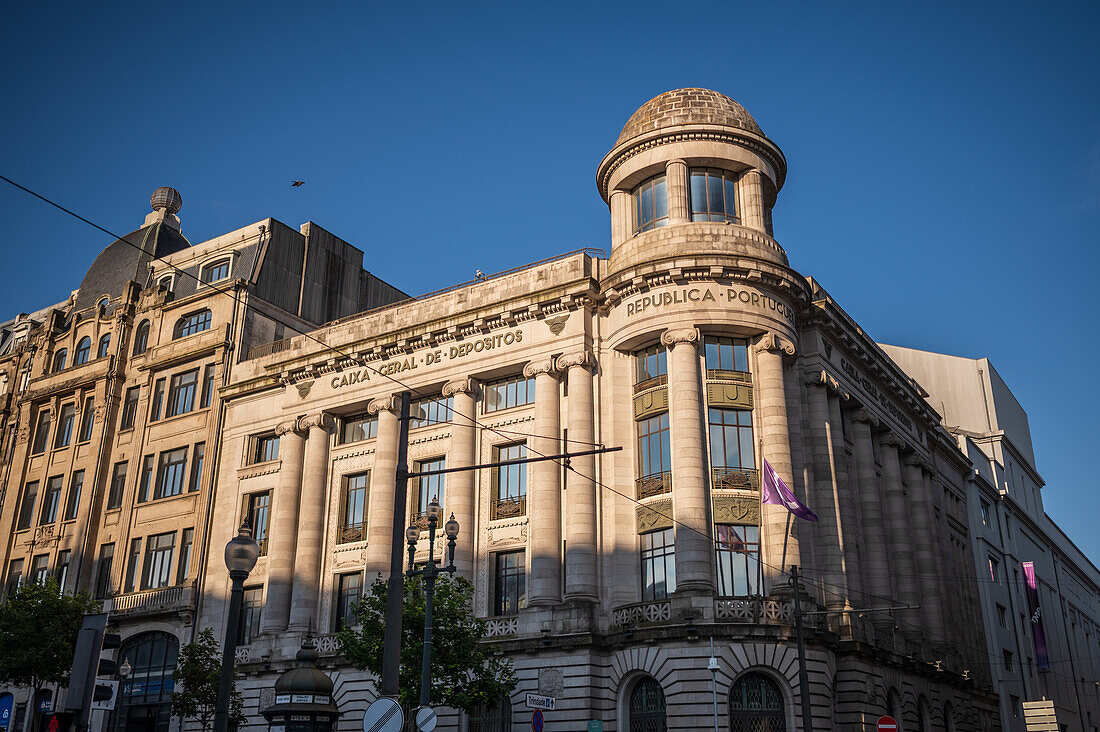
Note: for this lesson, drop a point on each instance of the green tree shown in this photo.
(465, 672)
(198, 671)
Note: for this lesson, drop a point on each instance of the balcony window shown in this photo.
(257, 512)
(357, 428)
(726, 354)
(141, 338)
(65, 418)
(87, 420)
(658, 565)
(348, 589)
(191, 324)
(171, 473)
(198, 457)
(59, 357)
(187, 543)
(732, 456)
(51, 500)
(103, 571)
(129, 408)
(265, 448)
(650, 204)
(428, 487)
(430, 410)
(83, 351)
(26, 506)
(251, 607)
(41, 433)
(738, 559)
(654, 456)
(652, 366)
(507, 393)
(118, 486)
(215, 272)
(40, 569)
(104, 346)
(353, 525)
(511, 482)
(181, 393)
(72, 501)
(158, 400)
(159, 550)
(510, 585)
(713, 195)
(207, 386)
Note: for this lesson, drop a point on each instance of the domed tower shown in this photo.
(691, 172)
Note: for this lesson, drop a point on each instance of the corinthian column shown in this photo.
(581, 581)
(876, 553)
(544, 494)
(383, 476)
(694, 545)
(899, 528)
(458, 497)
(778, 526)
(283, 536)
(311, 521)
(826, 499)
(920, 499)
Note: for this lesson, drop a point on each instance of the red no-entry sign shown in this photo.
(887, 724)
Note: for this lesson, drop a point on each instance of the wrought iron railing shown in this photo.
(641, 613)
(650, 383)
(509, 507)
(653, 485)
(157, 599)
(352, 532)
(741, 479)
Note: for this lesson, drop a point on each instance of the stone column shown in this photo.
(283, 536)
(778, 527)
(458, 492)
(921, 537)
(847, 504)
(581, 580)
(544, 493)
(383, 477)
(876, 551)
(899, 529)
(690, 497)
(752, 200)
(311, 522)
(679, 203)
(621, 226)
(826, 500)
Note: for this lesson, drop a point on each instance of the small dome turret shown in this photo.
(166, 198)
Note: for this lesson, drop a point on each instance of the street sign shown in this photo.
(1040, 716)
(383, 715)
(426, 719)
(538, 701)
(536, 720)
(6, 702)
(108, 703)
(595, 725)
(887, 724)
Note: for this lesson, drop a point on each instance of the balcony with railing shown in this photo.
(653, 612)
(650, 383)
(741, 377)
(735, 479)
(153, 602)
(351, 532)
(653, 485)
(755, 610)
(510, 507)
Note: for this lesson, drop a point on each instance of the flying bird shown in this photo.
(297, 183)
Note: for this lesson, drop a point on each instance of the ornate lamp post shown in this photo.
(430, 572)
(241, 554)
(123, 672)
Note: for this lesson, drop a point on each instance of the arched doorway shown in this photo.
(493, 717)
(756, 705)
(647, 706)
(145, 699)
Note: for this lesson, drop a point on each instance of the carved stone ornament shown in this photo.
(286, 427)
(862, 415)
(323, 420)
(774, 342)
(557, 325)
(542, 366)
(551, 682)
(730, 395)
(655, 515)
(458, 386)
(679, 335)
(582, 358)
(892, 440)
(303, 387)
(825, 379)
(736, 510)
(389, 404)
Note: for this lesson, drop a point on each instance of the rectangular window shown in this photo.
(658, 565)
(171, 473)
(257, 508)
(428, 487)
(132, 567)
(40, 569)
(650, 204)
(216, 271)
(1002, 616)
(357, 428)
(61, 571)
(508, 393)
(652, 366)
(181, 393)
(146, 478)
(118, 486)
(72, 503)
(41, 433)
(51, 500)
(732, 458)
(353, 518)
(129, 408)
(511, 481)
(994, 569)
(430, 410)
(726, 354)
(984, 511)
(103, 571)
(265, 448)
(510, 587)
(654, 456)
(15, 575)
(348, 589)
(1008, 659)
(87, 420)
(187, 542)
(198, 457)
(26, 506)
(251, 604)
(738, 548)
(158, 561)
(207, 386)
(158, 400)
(65, 419)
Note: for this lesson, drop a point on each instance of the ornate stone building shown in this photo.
(698, 349)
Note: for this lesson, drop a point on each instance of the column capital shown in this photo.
(892, 440)
(391, 403)
(774, 342)
(459, 386)
(287, 427)
(824, 379)
(323, 420)
(675, 161)
(582, 358)
(679, 335)
(541, 366)
(862, 415)
(917, 460)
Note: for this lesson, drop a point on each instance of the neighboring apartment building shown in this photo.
(112, 416)
(695, 347)
(1010, 528)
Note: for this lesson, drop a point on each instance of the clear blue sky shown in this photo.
(944, 159)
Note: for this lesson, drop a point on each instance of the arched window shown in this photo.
(647, 707)
(104, 345)
(924, 720)
(756, 705)
(650, 204)
(145, 700)
(141, 337)
(83, 351)
(193, 323)
(165, 282)
(59, 357)
(492, 717)
(215, 271)
(105, 303)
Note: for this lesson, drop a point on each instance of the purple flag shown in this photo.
(1037, 631)
(776, 493)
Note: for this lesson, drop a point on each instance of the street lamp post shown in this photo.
(430, 572)
(123, 672)
(241, 554)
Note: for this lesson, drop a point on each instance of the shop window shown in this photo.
(650, 201)
(145, 697)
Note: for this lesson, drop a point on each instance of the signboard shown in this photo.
(595, 725)
(383, 715)
(1037, 632)
(45, 705)
(538, 701)
(887, 724)
(536, 721)
(1039, 716)
(6, 702)
(426, 719)
(106, 703)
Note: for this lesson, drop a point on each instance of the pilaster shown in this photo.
(544, 494)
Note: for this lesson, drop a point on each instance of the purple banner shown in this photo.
(775, 492)
(1042, 661)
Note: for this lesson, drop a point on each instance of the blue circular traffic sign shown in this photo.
(536, 720)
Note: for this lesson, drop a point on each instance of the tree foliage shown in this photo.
(198, 671)
(465, 672)
(38, 631)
